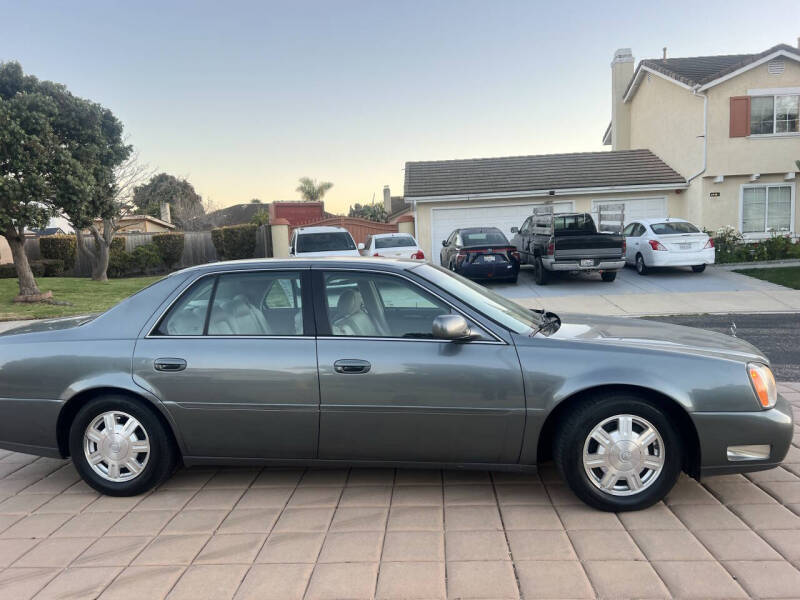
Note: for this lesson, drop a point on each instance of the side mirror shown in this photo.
(452, 327)
(515, 230)
(361, 245)
(444, 243)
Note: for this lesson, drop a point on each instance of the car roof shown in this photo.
(393, 234)
(650, 221)
(320, 229)
(368, 263)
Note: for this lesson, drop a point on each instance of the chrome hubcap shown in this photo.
(116, 446)
(623, 455)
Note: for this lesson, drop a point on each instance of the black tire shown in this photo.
(641, 268)
(540, 274)
(572, 434)
(608, 275)
(514, 279)
(162, 456)
(698, 268)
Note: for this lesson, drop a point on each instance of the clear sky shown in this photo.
(243, 98)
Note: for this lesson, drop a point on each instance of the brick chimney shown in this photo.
(387, 199)
(621, 73)
(165, 212)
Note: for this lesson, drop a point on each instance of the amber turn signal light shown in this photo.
(763, 384)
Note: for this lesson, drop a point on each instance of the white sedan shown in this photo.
(392, 245)
(667, 243)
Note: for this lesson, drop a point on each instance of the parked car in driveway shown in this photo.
(480, 253)
(568, 242)
(323, 241)
(393, 245)
(667, 243)
(379, 362)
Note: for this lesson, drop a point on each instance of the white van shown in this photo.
(323, 241)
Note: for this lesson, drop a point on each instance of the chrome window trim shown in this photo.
(151, 335)
(431, 292)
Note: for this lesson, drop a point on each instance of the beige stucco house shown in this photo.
(728, 124)
(141, 224)
(713, 139)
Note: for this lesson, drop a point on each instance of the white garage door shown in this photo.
(640, 208)
(504, 217)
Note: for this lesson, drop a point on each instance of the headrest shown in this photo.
(348, 303)
(238, 306)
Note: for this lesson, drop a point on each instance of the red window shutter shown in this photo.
(740, 116)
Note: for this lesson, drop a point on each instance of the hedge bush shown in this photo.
(53, 267)
(731, 247)
(146, 258)
(170, 247)
(59, 247)
(120, 263)
(235, 242)
(9, 271)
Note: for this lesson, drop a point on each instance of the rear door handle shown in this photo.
(351, 365)
(169, 364)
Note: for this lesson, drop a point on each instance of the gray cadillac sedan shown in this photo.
(377, 362)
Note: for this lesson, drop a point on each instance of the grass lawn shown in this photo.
(788, 276)
(85, 296)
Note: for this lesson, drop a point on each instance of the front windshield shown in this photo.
(325, 242)
(501, 310)
(673, 227)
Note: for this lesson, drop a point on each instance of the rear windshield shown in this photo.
(475, 238)
(396, 241)
(325, 242)
(672, 228)
(574, 224)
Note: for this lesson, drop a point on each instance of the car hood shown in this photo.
(653, 335)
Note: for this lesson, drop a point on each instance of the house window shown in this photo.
(774, 114)
(766, 209)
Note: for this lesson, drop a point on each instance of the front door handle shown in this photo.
(169, 364)
(351, 365)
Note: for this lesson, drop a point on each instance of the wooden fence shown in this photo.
(360, 229)
(198, 248)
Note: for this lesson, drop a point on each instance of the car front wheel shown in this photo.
(618, 453)
(120, 447)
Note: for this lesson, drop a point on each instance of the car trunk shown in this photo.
(487, 254)
(683, 242)
(593, 245)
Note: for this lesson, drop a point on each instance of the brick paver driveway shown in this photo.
(223, 533)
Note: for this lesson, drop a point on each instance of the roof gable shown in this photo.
(704, 71)
(621, 168)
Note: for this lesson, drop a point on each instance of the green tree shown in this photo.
(185, 203)
(57, 156)
(371, 212)
(312, 191)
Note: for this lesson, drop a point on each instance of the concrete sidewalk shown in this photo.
(675, 303)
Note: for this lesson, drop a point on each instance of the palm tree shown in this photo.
(312, 191)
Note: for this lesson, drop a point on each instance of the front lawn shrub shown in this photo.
(146, 258)
(170, 247)
(120, 263)
(9, 271)
(61, 247)
(235, 242)
(53, 267)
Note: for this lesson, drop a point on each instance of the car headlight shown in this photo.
(763, 384)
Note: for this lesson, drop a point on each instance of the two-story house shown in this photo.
(728, 124)
(712, 139)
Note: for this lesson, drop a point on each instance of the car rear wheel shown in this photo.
(608, 275)
(120, 447)
(618, 453)
(641, 268)
(540, 274)
(698, 268)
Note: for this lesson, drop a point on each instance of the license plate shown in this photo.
(489, 258)
(685, 246)
(587, 262)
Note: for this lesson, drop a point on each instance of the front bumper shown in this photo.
(572, 265)
(718, 431)
(672, 258)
